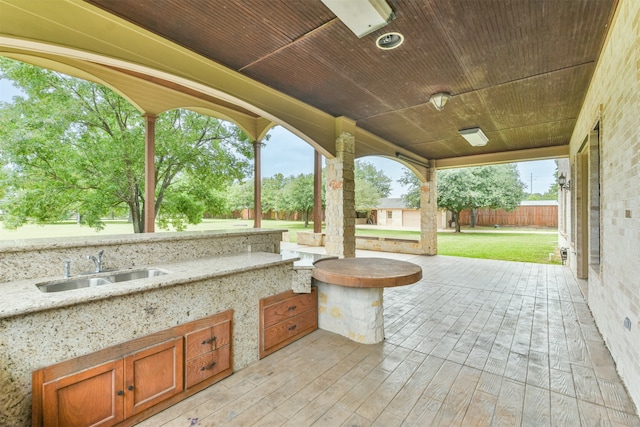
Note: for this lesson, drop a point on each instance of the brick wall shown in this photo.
(613, 103)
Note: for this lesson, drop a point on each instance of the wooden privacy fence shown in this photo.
(522, 216)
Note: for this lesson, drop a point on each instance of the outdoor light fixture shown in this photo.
(389, 41)
(409, 159)
(439, 99)
(361, 16)
(474, 136)
(563, 183)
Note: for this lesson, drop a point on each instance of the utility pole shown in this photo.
(531, 187)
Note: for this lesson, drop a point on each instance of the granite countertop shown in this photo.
(81, 241)
(22, 297)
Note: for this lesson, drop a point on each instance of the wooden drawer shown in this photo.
(282, 307)
(282, 331)
(286, 317)
(207, 339)
(208, 365)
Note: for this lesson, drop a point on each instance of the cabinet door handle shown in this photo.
(291, 308)
(130, 388)
(209, 341)
(120, 393)
(291, 328)
(210, 366)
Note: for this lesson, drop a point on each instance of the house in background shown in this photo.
(393, 211)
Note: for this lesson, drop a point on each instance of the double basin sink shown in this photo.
(102, 279)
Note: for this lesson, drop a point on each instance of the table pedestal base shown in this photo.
(355, 313)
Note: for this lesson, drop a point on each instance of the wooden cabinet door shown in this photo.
(93, 397)
(153, 375)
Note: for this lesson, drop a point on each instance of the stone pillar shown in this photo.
(257, 186)
(150, 173)
(428, 214)
(340, 215)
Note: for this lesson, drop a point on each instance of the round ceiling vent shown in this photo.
(389, 41)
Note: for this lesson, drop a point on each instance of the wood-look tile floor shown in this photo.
(474, 343)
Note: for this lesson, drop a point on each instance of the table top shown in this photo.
(367, 272)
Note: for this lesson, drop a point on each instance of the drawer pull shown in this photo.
(291, 328)
(209, 341)
(210, 366)
(120, 393)
(291, 308)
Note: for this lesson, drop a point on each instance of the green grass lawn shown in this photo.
(503, 244)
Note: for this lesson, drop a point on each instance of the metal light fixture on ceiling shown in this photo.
(474, 136)
(361, 16)
(389, 41)
(439, 100)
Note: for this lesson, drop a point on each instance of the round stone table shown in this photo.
(350, 294)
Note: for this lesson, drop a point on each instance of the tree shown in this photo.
(495, 186)
(272, 197)
(298, 195)
(77, 147)
(412, 184)
(240, 196)
(365, 171)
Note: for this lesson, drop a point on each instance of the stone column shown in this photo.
(428, 214)
(150, 173)
(340, 215)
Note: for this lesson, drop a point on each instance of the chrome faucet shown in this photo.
(97, 262)
(67, 268)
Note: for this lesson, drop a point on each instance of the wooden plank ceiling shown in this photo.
(518, 69)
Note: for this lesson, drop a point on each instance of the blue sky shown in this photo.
(287, 154)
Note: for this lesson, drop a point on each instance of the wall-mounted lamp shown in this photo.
(474, 136)
(409, 159)
(439, 100)
(361, 16)
(564, 183)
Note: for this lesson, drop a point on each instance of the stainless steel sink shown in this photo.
(72, 284)
(87, 282)
(135, 274)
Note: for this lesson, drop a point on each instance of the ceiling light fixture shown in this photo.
(361, 16)
(389, 41)
(439, 99)
(474, 136)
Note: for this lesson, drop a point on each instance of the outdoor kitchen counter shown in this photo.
(350, 293)
(23, 297)
(367, 272)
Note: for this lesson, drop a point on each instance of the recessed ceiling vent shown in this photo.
(389, 41)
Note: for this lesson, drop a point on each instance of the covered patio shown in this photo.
(474, 343)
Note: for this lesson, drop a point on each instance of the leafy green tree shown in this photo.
(298, 195)
(240, 196)
(272, 197)
(495, 186)
(77, 147)
(366, 195)
(365, 171)
(412, 183)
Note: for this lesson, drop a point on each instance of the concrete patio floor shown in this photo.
(474, 343)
